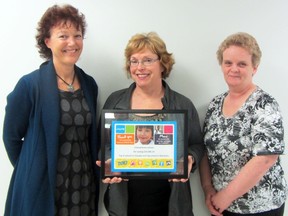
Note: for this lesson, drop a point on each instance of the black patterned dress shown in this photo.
(75, 185)
(256, 129)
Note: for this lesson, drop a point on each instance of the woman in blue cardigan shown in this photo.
(50, 126)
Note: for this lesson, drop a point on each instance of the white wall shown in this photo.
(191, 29)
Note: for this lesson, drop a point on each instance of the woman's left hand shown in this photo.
(190, 164)
(221, 201)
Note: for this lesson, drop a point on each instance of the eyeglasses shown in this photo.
(145, 62)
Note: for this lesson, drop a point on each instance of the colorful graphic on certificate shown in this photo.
(143, 146)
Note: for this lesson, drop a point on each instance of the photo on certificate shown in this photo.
(144, 144)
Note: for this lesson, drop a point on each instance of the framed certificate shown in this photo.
(144, 144)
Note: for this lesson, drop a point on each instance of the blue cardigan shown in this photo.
(31, 134)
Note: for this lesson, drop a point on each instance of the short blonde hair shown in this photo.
(243, 40)
(153, 42)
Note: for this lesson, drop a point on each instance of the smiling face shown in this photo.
(237, 67)
(66, 44)
(144, 134)
(149, 75)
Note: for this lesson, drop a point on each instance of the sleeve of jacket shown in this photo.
(111, 103)
(195, 137)
(16, 119)
(114, 98)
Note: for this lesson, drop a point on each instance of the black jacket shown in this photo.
(180, 203)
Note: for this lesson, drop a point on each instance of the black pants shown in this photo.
(274, 212)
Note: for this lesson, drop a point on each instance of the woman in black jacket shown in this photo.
(148, 63)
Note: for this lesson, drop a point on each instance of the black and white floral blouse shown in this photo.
(256, 129)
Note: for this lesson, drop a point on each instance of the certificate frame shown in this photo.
(162, 155)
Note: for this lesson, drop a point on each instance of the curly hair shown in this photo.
(155, 44)
(57, 15)
(243, 40)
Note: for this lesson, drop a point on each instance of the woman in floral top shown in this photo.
(243, 134)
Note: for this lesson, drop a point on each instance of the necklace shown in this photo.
(70, 87)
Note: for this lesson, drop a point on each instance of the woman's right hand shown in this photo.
(108, 172)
